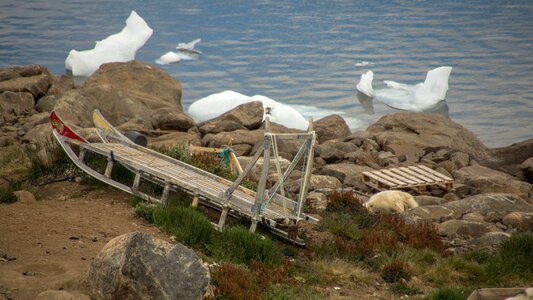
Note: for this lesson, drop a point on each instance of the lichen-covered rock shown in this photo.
(331, 127)
(137, 266)
(245, 116)
(406, 132)
(171, 119)
(482, 180)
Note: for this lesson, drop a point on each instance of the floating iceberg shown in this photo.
(174, 58)
(216, 104)
(189, 47)
(419, 97)
(119, 47)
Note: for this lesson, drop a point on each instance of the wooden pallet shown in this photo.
(417, 177)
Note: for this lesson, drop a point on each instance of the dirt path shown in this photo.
(50, 243)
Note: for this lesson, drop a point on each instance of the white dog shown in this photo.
(390, 202)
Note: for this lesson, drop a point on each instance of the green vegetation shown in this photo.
(47, 159)
(7, 195)
(355, 249)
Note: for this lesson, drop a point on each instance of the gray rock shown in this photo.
(35, 80)
(255, 172)
(527, 169)
(522, 221)
(317, 200)
(463, 229)
(475, 217)
(39, 134)
(171, 119)
(170, 140)
(429, 200)
(484, 180)
(460, 159)
(316, 182)
(137, 266)
(16, 103)
(345, 172)
(245, 116)
(434, 213)
(334, 150)
(489, 241)
(141, 79)
(405, 132)
(223, 139)
(331, 127)
(485, 203)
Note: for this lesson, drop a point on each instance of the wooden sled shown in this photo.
(280, 214)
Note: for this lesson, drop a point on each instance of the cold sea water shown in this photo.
(303, 53)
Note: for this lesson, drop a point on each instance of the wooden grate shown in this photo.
(417, 177)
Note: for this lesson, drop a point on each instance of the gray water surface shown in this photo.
(303, 52)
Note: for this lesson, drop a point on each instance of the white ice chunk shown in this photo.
(173, 58)
(119, 47)
(216, 104)
(417, 97)
(365, 84)
(189, 47)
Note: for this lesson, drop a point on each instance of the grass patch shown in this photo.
(450, 294)
(402, 289)
(47, 159)
(514, 258)
(7, 195)
(239, 245)
(185, 223)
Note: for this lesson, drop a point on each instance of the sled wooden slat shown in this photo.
(272, 209)
(417, 177)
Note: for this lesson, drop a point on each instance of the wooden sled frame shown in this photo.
(277, 212)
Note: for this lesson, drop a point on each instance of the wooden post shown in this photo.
(136, 181)
(194, 203)
(110, 164)
(223, 216)
(166, 192)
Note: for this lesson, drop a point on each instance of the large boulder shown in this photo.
(141, 78)
(35, 80)
(348, 174)
(527, 169)
(245, 116)
(485, 204)
(334, 150)
(405, 133)
(483, 180)
(123, 92)
(16, 103)
(172, 119)
(331, 127)
(137, 266)
(222, 139)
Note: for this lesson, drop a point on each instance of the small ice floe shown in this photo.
(173, 58)
(119, 47)
(189, 47)
(363, 63)
(420, 97)
(216, 104)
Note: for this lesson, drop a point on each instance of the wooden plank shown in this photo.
(440, 175)
(413, 179)
(399, 177)
(421, 171)
(417, 175)
(388, 178)
(373, 176)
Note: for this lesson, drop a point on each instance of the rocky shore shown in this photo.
(493, 194)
